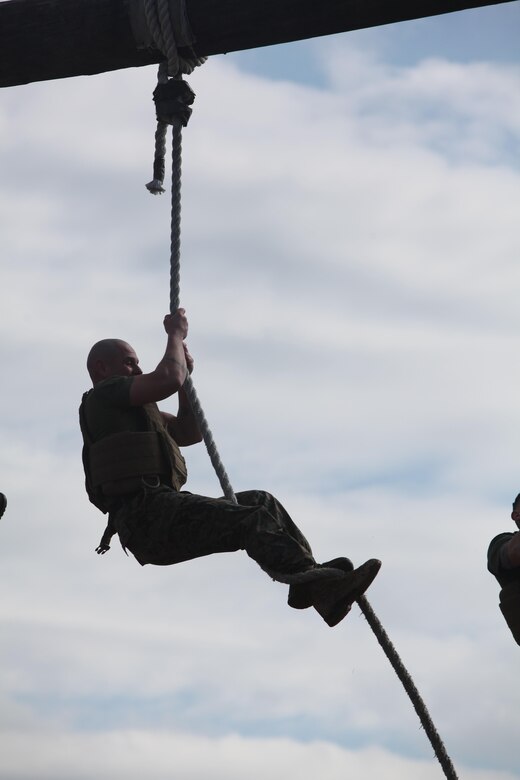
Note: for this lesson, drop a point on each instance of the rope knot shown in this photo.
(172, 101)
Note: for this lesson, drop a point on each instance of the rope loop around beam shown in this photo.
(168, 36)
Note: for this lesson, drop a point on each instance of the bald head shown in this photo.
(112, 357)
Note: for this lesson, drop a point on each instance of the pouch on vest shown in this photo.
(510, 607)
(118, 462)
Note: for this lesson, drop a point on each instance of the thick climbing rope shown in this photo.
(175, 246)
(172, 99)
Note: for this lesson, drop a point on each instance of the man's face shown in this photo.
(124, 363)
(515, 516)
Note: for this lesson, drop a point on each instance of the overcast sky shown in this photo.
(350, 250)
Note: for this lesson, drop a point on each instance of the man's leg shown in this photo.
(174, 527)
(169, 527)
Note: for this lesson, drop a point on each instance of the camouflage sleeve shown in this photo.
(115, 391)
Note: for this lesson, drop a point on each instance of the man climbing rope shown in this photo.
(134, 472)
(504, 563)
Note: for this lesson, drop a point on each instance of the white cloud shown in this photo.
(465, 111)
(129, 754)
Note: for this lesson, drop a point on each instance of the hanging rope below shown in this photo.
(173, 98)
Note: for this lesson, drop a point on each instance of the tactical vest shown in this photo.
(115, 465)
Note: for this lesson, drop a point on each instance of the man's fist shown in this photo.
(176, 324)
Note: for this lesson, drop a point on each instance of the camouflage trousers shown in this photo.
(162, 526)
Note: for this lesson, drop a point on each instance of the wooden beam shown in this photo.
(52, 39)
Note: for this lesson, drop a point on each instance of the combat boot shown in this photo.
(3, 504)
(300, 594)
(333, 599)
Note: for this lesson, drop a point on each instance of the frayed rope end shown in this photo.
(155, 187)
